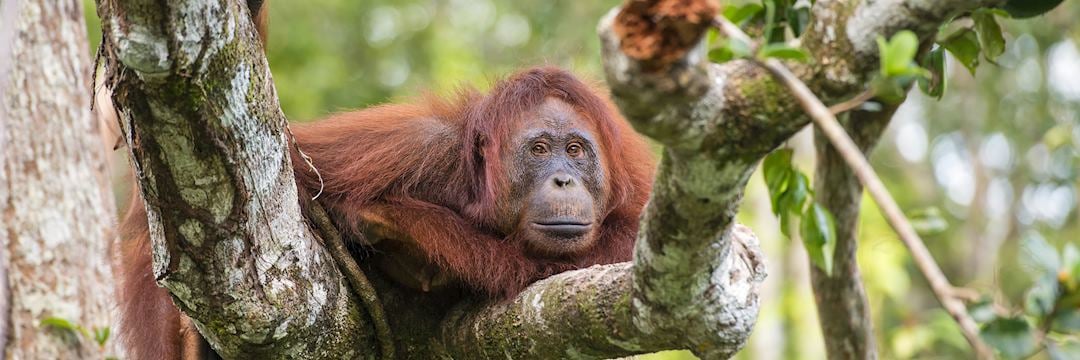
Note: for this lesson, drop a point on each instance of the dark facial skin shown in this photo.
(557, 182)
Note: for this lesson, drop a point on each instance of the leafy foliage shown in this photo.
(983, 39)
(991, 38)
(1012, 337)
(1050, 314)
(898, 55)
(740, 14)
(898, 66)
(1053, 302)
(792, 200)
(777, 16)
(964, 45)
(77, 332)
(934, 85)
(1029, 8)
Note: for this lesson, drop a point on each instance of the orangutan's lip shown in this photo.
(563, 228)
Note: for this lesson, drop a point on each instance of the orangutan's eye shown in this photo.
(574, 150)
(539, 149)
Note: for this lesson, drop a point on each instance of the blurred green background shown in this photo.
(997, 157)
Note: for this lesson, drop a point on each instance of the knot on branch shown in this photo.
(746, 245)
(660, 32)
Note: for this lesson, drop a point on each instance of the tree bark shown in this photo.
(209, 149)
(56, 208)
(842, 306)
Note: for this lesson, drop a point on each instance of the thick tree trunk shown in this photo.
(209, 148)
(57, 215)
(841, 298)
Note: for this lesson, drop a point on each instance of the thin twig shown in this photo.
(965, 294)
(734, 32)
(307, 161)
(345, 262)
(826, 121)
(357, 280)
(852, 103)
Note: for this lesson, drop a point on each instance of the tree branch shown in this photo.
(690, 105)
(841, 298)
(593, 314)
(684, 238)
(208, 146)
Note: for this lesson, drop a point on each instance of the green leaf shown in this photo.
(797, 193)
(934, 85)
(1012, 337)
(928, 221)
(990, 37)
(791, 203)
(66, 327)
(818, 231)
(1028, 8)
(964, 45)
(798, 17)
(101, 335)
(738, 14)
(1038, 257)
(712, 36)
(60, 324)
(776, 165)
(888, 90)
(728, 49)
(898, 53)
(787, 219)
(777, 171)
(782, 51)
(1067, 322)
(983, 310)
(774, 20)
(1039, 300)
(721, 55)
